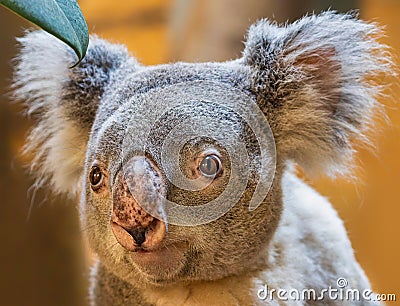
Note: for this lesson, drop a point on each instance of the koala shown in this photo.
(144, 150)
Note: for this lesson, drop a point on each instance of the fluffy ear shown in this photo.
(64, 101)
(314, 81)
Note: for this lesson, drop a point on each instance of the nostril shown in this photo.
(134, 237)
(138, 234)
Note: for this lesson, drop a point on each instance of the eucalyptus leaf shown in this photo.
(61, 18)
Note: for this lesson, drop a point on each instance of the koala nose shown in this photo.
(133, 238)
(131, 224)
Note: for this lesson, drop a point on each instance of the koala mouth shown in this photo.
(164, 256)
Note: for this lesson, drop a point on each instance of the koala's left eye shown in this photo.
(210, 166)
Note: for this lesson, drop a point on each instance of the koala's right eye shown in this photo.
(210, 166)
(96, 177)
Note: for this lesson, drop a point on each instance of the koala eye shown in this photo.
(95, 177)
(210, 166)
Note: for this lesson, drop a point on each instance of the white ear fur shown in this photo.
(64, 102)
(313, 80)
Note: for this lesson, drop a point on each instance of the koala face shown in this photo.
(192, 127)
(178, 167)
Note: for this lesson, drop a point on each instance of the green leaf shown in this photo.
(61, 18)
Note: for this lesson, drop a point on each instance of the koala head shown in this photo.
(166, 160)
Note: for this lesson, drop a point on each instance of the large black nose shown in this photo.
(138, 234)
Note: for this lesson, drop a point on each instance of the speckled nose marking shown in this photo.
(137, 183)
(125, 206)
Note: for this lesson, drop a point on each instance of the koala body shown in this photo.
(102, 135)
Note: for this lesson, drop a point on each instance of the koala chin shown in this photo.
(312, 82)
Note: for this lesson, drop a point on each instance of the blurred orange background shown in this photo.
(42, 259)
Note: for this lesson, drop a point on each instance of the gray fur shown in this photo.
(65, 102)
(312, 81)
